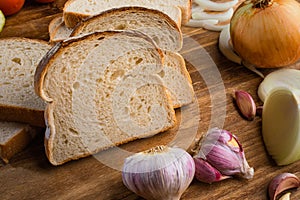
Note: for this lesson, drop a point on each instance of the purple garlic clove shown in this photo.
(223, 152)
(245, 104)
(281, 183)
(206, 173)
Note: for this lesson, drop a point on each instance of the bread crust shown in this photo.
(73, 18)
(188, 13)
(129, 9)
(24, 115)
(54, 23)
(41, 71)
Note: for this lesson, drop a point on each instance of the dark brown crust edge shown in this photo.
(24, 115)
(17, 143)
(41, 70)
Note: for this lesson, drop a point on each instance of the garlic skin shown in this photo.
(160, 173)
(224, 153)
(281, 183)
(207, 173)
(246, 104)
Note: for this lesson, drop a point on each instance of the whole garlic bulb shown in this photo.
(160, 173)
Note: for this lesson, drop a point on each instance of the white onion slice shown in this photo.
(209, 24)
(199, 23)
(214, 27)
(225, 47)
(221, 16)
(228, 51)
(289, 78)
(214, 6)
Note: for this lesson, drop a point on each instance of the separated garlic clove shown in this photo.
(160, 173)
(246, 104)
(207, 173)
(281, 183)
(222, 150)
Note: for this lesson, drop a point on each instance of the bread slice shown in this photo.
(14, 137)
(157, 25)
(177, 80)
(58, 31)
(76, 10)
(19, 58)
(102, 89)
(54, 23)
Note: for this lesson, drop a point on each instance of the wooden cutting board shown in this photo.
(30, 176)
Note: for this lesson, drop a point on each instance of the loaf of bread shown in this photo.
(76, 10)
(102, 89)
(19, 58)
(14, 137)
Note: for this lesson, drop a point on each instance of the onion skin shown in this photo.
(269, 36)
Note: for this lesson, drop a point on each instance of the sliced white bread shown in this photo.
(14, 137)
(58, 30)
(19, 58)
(102, 89)
(76, 10)
(54, 23)
(157, 25)
(177, 80)
(176, 77)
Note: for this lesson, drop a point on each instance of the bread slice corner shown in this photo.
(14, 137)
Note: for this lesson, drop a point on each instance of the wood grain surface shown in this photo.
(29, 175)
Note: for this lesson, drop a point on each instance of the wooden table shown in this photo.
(30, 176)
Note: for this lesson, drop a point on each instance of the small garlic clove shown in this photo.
(207, 173)
(245, 104)
(160, 173)
(222, 150)
(281, 183)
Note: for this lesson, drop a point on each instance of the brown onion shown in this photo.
(266, 33)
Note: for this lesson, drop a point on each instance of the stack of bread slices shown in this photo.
(112, 75)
